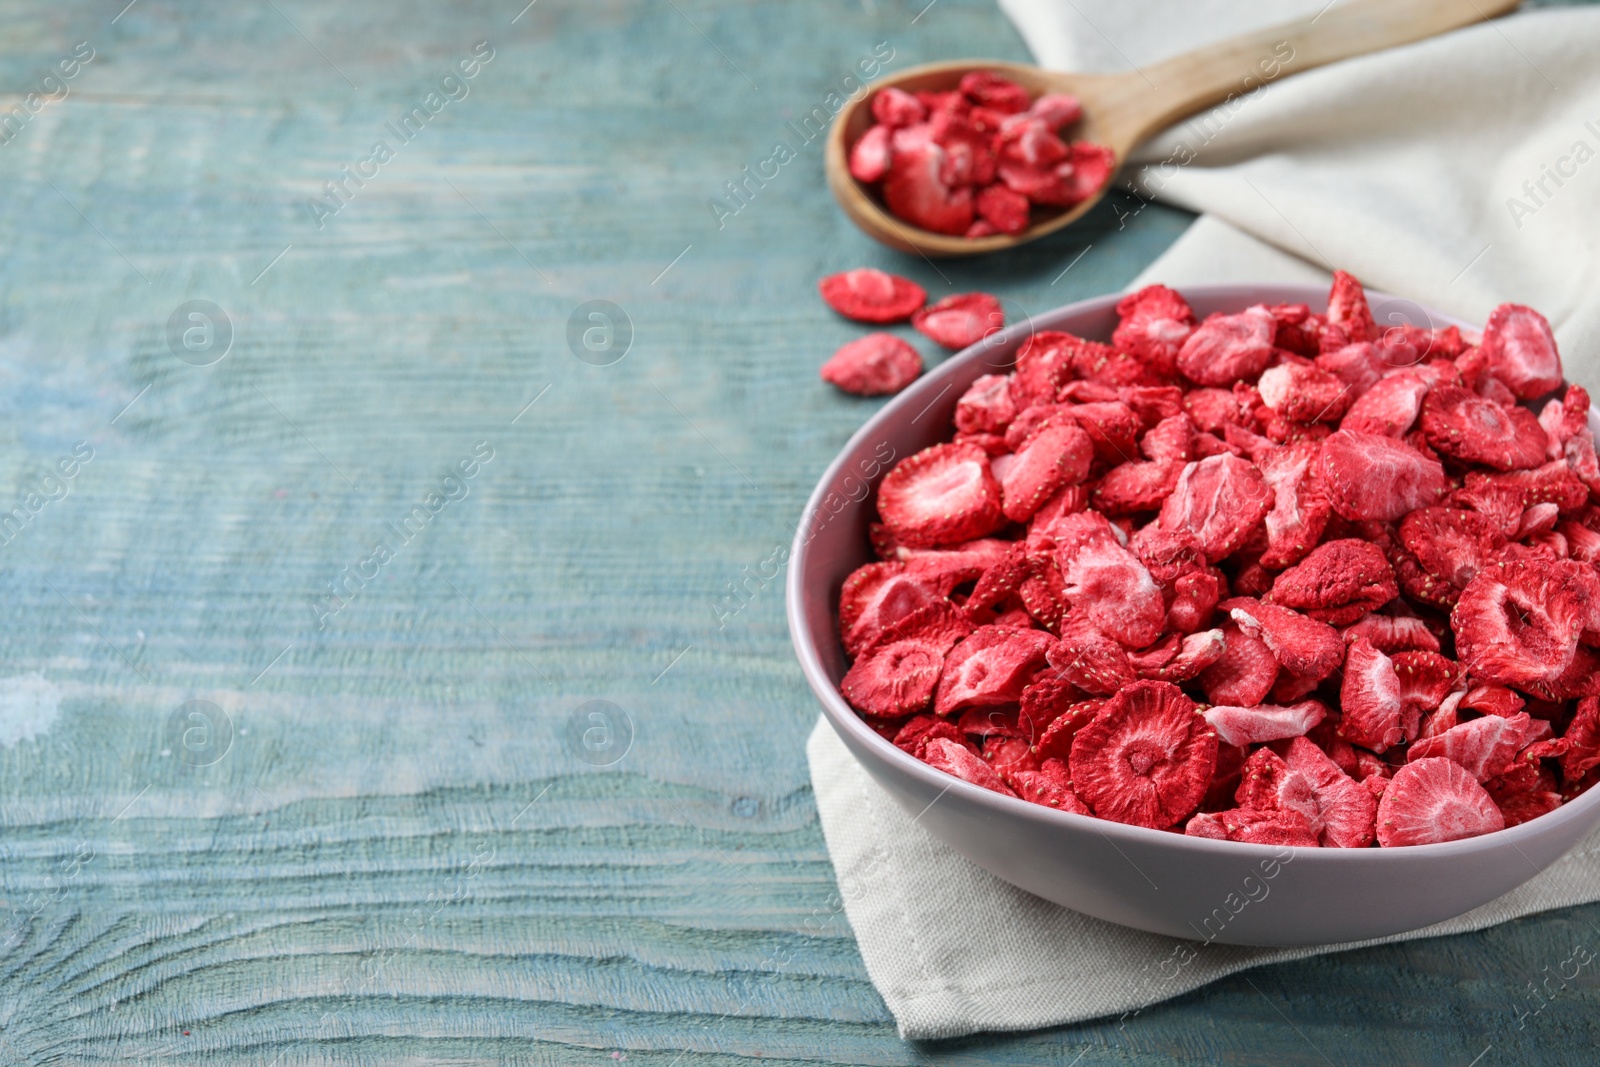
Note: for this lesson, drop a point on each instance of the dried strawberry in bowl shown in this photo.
(1226, 583)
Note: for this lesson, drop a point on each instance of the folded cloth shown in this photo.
(1457, 171)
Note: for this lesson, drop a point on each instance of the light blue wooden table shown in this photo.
(305, 649)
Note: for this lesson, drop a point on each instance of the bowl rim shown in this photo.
(850, 726)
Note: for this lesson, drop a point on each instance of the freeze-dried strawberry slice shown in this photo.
(1435, 800)
(1253, 827)
(992, 91)
(1518, 623)
(1450, 544)
(1371, 477)
(1112, 426)
(1304, 393)
(1090, 660)
(944, 569)
(960, 320)
(1228, 348)
(1212, 409)
(1521, 351)
(869, 295)
(1056, 741)
(1389, 407)
(1553, 483)
(873, 597)
(1171, 438)
(896, 107)
(1583, 741)
(1007, 755)
(1194, 598)
(1044, 363)
(875, 365)
(1047, 697)
(1300, 644)
(985, 723)
(1003, 208)
(1425, 678)
(896, 678)
(1155, 322)
(1101, 365)
(1057, 109)
(1338, 809)
(1300, 510)
(1057, 454)
(1372, 713)
(915, 190)
(918, 730)
(1483, 746)
(940, 496)
(1337, 582)
(1147, 757)
(1523, 793)
(1134, 487)
(1166, 554)
(986, 406)
(991, 665)
(1106, 583)
(1468, 427)
(869, 158)
(1050, 785)
(1347, 308)
(1392, 633)
(1359, 366)
(953, 759)
(1196, 652)
(1219, 501)
(1243, 676)
(1264, 722)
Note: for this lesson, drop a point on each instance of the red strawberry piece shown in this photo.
(1304, 393)
(915, 189)
(1583, 741)
(1134, 487)
(914, 736)
(1298, 330)
(1008, 755)
(1392, 633)
(1484, 746)
(1056, 741)
(986, 406)
(990, 722)
(990, 90)
(1112, 426)
(940, 496)
(1493, 700)
(1044, 363)
(1264, 722)
(1537, 520)
(1090, 168)
(1368, 767)
(1338, 810)
(1470, 428)
(944, 569)
(1056, 455)
(1057, 109)
(1004, 209)
(1100, 364)
(1359, 365)
(1243, 676)
(990, 666)
(1347, 308)
(1521, 351)
(1373, 715)
(870, 156)
(1218, 501)
(1566, 418)
(969, 158)
(1435, 800)
(1518, 624)
(1225, 778)
(1552, 483)
(1300, 510)
(1338, 582)
(1389, 407)
(953, 759)
(1227, 348)
(1147, 757)
(1047, 697)
(1167, 554)
(873, 597)
(953, 102)
(1371, 477)
(1106, 583)
(981, 228)
(1450, 544)
(1524, 793)
(1171, 438)
(1049, 786)
(960, 320)
(1156, 656)
(1196, 652)
(896, 677)
(1194, 598)
(875, 365)
(1212, 409)
(1155, 322)
(1043, 597)
(1425, 678)
(896, 107)
(1090, 660)
(1300, 644)
(1286, 827)
(1041, 528)
(869, 295)
(1002, 578)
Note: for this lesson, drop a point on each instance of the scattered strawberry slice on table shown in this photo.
(1275, 576)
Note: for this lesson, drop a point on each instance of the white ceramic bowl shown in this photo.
(1154, 880)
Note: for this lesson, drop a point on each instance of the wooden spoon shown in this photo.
(1120, 110)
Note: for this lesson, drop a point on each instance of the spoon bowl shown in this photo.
(1121, 110)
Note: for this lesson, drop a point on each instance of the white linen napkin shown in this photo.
(1406, 168)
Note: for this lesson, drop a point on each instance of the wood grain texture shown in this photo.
(401, 856)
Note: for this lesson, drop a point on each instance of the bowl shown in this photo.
(1153, 880)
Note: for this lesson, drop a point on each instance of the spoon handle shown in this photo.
(1207, 76)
